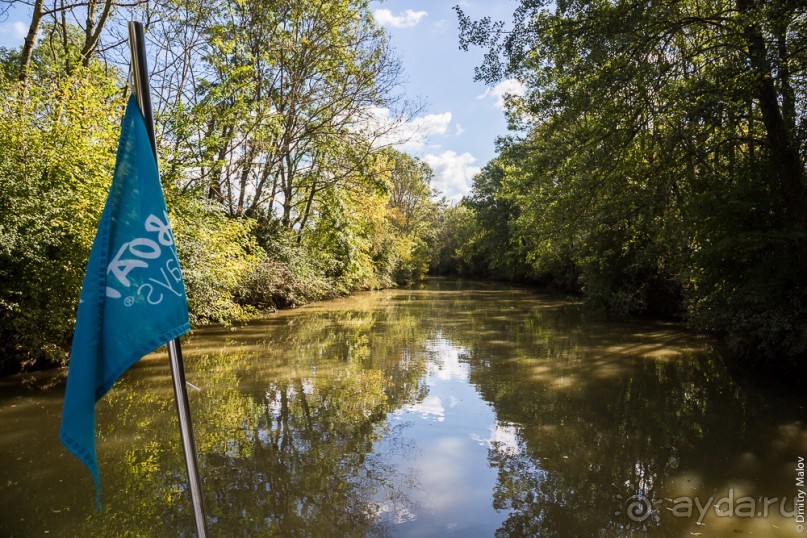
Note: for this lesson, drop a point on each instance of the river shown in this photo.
(457, 408)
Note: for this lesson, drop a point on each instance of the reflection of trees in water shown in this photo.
(291, 412)
(285, 433)
(604, 413)
(308, 471)
(603, 419)
(606, 417)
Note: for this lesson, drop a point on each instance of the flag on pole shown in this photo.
(133, 298)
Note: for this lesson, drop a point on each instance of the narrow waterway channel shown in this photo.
(458, 408)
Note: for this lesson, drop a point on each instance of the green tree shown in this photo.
(57, 151)
(274, 177)
(281, 92)
(663, 167)
(411, 214)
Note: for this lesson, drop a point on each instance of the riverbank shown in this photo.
(277, 290)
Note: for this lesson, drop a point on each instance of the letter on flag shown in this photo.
(133, 298)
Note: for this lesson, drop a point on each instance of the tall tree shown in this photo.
(664, 148)
(284, 91)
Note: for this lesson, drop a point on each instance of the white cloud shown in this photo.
(453, 173)
(500, 91)
(409, 135)
(405, 19)
(430, 124)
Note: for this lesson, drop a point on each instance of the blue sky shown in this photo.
(463, 117)
(456, 132)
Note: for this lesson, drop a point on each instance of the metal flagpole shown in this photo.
(137, 45)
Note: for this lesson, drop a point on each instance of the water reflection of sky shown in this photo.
(449, 433)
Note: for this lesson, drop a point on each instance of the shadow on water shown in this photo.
(329, 419)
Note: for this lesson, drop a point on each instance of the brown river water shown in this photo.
(454, 409)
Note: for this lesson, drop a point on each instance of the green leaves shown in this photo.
(57, 147)
(658, 172)
(277, 192)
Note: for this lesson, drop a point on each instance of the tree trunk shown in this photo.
(215, 189)
(30, 39)
(93, 31)
(783, 145)
(783, 76)
(784, 151)
(246, 170)
(309, 202)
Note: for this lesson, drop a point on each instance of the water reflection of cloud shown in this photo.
(430, 408)
(444, 360)
(445, 472)
(503, 439)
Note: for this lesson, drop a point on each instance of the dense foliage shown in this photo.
(658, 163)
(278, 189)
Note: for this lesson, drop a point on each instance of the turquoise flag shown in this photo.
(133, 298)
